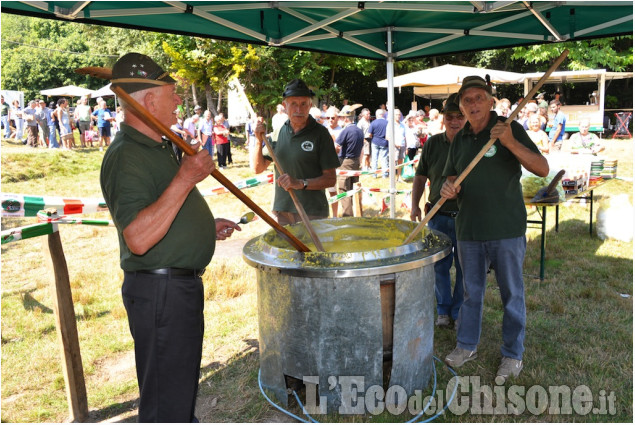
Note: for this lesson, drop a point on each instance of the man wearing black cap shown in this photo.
(166, 238)
(433, 158)
(491, 222)
(305, 152)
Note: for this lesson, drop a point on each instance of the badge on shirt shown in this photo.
(491, 151)
(307, 146)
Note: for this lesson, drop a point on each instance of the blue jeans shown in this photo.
(380, 153)
(448, 302)
(506, 257)
(209, 146)
(53, 137)
(5, 125)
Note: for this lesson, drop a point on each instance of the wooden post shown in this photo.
(358, 210)
(67, 332)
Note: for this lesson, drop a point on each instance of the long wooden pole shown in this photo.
(488, 145)
(296, 202)
(67, 331)
(150, 120)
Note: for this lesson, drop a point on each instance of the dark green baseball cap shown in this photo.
(134, 72)
(474, 81)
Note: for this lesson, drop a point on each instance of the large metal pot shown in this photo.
(365, 310)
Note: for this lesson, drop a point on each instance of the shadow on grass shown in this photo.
(31, 304)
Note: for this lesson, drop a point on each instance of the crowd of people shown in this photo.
(53, 125)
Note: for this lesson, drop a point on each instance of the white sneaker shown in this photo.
(459, 357)
(509, 367)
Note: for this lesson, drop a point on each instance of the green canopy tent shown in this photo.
(387, 30)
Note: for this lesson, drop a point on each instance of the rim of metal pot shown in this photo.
(432, 247)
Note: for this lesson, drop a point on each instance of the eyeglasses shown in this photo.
(331, 118)
(451, 117)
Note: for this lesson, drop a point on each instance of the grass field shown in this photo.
(580, 327)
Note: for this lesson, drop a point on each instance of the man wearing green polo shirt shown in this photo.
(167, 237)
(431, 163)
(491, 222)
(306, 153)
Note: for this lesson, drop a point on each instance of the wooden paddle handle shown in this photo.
(153, 122)
(296, 201)
(489, 144)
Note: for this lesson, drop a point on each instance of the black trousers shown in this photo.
(166, 321)
(223, 152)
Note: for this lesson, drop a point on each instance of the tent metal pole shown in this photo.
(390, 106)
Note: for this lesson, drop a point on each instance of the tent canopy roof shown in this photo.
(361, 29)
(589, 75)
(450, 75)
(70, 91)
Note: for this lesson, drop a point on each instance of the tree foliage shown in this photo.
(39, 54)
(614, 54)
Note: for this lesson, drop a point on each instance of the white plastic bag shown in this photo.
(615, 219)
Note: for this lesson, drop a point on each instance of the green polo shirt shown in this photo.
(136, 170)
(431, 163)
(491, 204)
(304, 155)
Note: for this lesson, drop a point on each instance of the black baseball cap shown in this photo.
(297, 87)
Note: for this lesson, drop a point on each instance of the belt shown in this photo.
(172, 271)
(452, 214)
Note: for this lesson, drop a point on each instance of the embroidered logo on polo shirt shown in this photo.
(491, 151)
(307, 146)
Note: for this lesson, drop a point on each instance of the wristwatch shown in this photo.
(305, 182)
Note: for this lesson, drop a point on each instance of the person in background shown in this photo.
(412, 139)
(583, 141)
(29, 114)
(421, 126)
(503, 107)
(221, 140)
(544, 117)
(306, 153)
(363, 123)
(379, 149)
(84, 120)
(556, 133)
(540, 100)
(206, 133)
(278, 119)
(4, 112)
(431, 164)
(49, 115)
(539, 137)
(189, 126)
(177, 128)
(435, 124)
(15, 114)
(491, 222)
(104, 118)
(167, 237)
(42, 122)
(400, 141)
(334, 128)
(66, 131)
(348, 145)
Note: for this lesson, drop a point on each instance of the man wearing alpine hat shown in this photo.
(305, 152)
(167, 237)
(491, 222)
